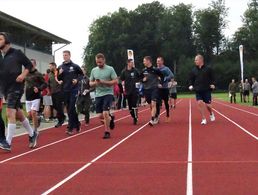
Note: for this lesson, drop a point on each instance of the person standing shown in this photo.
(152, 79)
(163, 90)
(34, 84)
(130, 76)
(12, 87)
(69, 74)
(47, 99)
(246, 88)
(241, 90)
(103, 78)
(55, 90)
(202, 81)
(232, 89)
(255, 91)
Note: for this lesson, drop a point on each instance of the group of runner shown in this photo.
(69, 84)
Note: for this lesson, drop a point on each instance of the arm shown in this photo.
(27, 67)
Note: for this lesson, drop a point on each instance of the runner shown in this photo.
(12, 87)
(152, 79)
(103, 78)
(130, 76)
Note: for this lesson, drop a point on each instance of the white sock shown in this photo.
(27, 126)
(10, 132)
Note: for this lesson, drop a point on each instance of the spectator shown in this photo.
(232, 89)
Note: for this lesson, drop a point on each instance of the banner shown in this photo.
(241, 48)
(130, 54)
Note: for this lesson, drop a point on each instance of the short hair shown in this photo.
(200, 56)
(100, 55)
(160, 57)
(67, 51)
(53, 64)
(6, 37)
(33, 60)
(148, 58)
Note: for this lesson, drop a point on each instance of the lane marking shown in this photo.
(189, 182)
(91, 162)
(62, 140)
(236, 108)
(242, 128)
(95, 159)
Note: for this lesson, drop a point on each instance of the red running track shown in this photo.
(139, 159)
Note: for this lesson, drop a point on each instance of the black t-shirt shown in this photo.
(10, 68)
(130, 77)
(201, 78)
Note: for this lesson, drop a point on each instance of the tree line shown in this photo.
(177, 33)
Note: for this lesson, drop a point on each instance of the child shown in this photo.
(84, 100)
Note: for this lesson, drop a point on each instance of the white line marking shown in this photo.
(62, 140)
(189, 184)
(94, 160)
(236, 108)
(242, 128)
(91, 162)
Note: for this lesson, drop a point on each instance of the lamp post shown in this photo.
(241, 48)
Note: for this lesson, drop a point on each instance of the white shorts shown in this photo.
(33, 105)
(47, 100)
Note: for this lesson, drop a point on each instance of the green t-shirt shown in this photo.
(107, 73)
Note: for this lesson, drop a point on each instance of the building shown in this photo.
(34, 42)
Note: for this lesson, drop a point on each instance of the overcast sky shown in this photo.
(70, 19)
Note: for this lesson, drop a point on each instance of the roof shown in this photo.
(17, 22)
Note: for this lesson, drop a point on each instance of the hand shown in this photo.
(159, 86)
(74, 81)
(212, 86)
(60, 82)
(190, 87)
(20, 78)
(85, 92)
(97, 82)
(36, 90)
(144, 79)
(61, 71)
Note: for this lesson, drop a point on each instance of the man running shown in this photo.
(152, 79)
(202, 81)
(130, 76)
(12, 87)
(164, 90)
(103, 78)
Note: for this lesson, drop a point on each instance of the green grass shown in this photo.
(221, 96)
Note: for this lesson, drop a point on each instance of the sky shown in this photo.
(71, 19)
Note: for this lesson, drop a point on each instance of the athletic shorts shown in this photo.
(13, 99)
(32, 105)
(204, 96)
(173, 95)
(47, 100)
(246, 93)
(103, 103)
(151, 95)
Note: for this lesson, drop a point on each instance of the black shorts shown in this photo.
(151, 95)
(13, 99)
(246, 93)
(204, 96)
(103, 103)
(173, 95)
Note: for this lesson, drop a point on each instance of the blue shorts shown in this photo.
(103, 103)
(204, 96)
(151, 95)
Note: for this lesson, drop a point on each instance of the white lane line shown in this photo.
(91, 162)
(242, 128)
(62, 140)
(236, 108)
(189, 183)
(94, 160)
